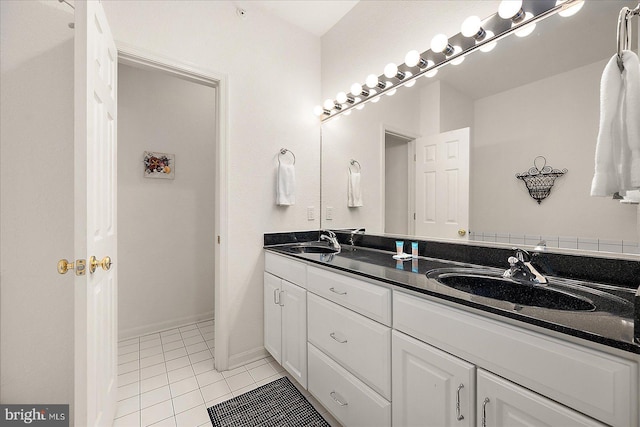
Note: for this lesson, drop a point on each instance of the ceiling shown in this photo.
(315, 16)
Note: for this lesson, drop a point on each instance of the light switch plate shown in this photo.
(329, 214)
(311, 213)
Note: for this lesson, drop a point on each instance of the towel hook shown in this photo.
(284, 151)
(624, 31)
(354, 162)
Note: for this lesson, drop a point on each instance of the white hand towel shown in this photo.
(286, 185)
(617, 163)
(354, 190)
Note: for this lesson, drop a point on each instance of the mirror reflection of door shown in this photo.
(399, 183)
(442, 185)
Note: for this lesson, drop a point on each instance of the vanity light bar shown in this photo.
(495, 28)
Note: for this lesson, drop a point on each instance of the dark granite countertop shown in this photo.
(611, 323)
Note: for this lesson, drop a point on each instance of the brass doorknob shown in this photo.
(462, 232)
(64, 266)
(105, 263)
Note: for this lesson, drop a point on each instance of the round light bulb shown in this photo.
(391, 70)
(341, 97)
(489, 46)
(471, 26)
(372, 81)
(439, 43)
(373, 97)
(356, 89)
(318, 110)
(460, 59)
(431, 73)
(328, 104)
(509, 8)
(528, 28)
(572, 10)
(412, 82)
(412, 58)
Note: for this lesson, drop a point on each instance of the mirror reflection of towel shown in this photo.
(354, 190)
(286, 185)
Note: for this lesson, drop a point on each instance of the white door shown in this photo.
(95, 216)
(272, 316)
(503, 403)
(294, 331)
(430, 387)
(442, 187)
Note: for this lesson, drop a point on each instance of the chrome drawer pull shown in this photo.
(484, 411)
(458, 415)
(335, 396)
(333, 335)
(337, 292)
(276, 296)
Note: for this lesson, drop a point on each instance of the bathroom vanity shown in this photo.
(379, 343)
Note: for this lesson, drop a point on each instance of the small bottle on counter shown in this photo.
(414, 249)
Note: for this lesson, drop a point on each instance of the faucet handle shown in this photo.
(513, 261)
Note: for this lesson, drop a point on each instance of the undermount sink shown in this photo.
(489, 285)
(309, 248)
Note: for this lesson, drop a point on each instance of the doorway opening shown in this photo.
(173, 264)
(399, 183)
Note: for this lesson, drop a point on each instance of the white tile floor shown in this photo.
(168, 379)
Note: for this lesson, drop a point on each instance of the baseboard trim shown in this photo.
(163, 326)
(248, 356)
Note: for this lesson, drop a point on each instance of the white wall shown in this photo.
(36, 197)
(274, 74)
(166, 227)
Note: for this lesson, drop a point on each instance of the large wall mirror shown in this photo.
(532, 96)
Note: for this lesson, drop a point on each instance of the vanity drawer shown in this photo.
(365, 298)
(354, 341)
(286, 268)
(351, 401)
(597, 384)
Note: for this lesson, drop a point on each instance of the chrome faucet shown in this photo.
(353, 233)
(330, 236)
(521, 269)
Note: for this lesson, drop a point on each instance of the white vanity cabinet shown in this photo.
(285, 314)
(503, 403)
(350, 347)
(535, 378)
(430, 387)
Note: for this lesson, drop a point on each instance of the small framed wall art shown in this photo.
(159, 165)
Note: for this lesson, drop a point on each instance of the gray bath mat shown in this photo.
(276, 404)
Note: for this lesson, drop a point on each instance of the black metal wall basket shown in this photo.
(540, 180)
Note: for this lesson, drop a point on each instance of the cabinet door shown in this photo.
(294, 331)
(430, 387)
(503, 403)
(272, 317)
